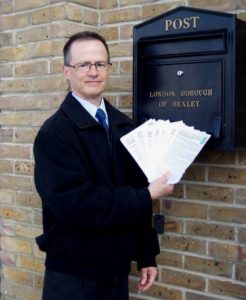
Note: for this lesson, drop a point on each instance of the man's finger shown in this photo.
(143, 277)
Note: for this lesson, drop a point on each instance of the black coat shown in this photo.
(96, 206)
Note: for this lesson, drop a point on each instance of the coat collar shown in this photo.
(81, 118)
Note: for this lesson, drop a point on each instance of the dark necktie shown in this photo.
(101, 116)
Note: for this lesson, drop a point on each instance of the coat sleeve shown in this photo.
(149, 248)
(67, 191)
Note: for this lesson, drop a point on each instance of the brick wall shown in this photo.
(203, 252)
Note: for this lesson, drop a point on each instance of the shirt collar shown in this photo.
(92, 108)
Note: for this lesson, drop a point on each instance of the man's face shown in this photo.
(87, 85)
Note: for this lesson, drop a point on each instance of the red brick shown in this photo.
(74, 12)
(24, 168)
(242, 157)
(8, 22)
(178, 191)
(7, 228)
(194, 296)
(37, 217)
(209, 193)
(120, 15)
(45, 84)
(25, 135)
(228, 214)
(11, 54)
(242, 4)
(223, 251)
(242, 253)
(169, 259)
(38, 281)
(126, 67)
(17, 276)
(227, 288)
(195, 173)
(7, 196)
(107, 4)
(242, 235)
(63, 29)
(183, 279)
(6, 6)
(14, 213)
(30, 263)
(32, 34)
(48, 14)
(126, 32)
(109, 33)
(25, 199)
(174, 225)
(208, 266)
(6, 166)
(47, 48)
(152, 10)
(210, 230)
(8, 289)
(27, 4)
(38, 253)
(241, 272)
(120, 84)
(120, 49)
(184, 209)
(31, 68)
(156, 290)
(7, 259)
(15, 85)
(28, 231)
(12, 244)
(6, 70)
(15, 151)
(6, 38)
(125, 101)
(240, 196)
(27, 293)
(15, 182)
(182, 243)
(227, 175)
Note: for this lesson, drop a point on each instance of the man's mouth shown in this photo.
(93, 81)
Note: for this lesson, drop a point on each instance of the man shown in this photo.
(97, 206)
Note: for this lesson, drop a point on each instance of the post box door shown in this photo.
(190, 91)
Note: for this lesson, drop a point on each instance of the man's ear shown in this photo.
(66, 72)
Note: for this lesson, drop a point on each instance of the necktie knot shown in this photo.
(101, 116)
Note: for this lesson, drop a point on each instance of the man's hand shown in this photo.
(159, 187)
(148, 276)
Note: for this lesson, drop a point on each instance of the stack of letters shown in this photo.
(160, 146)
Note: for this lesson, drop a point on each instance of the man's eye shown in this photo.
(83, 66)
(101, 64)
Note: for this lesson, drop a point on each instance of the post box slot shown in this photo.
(184, 45)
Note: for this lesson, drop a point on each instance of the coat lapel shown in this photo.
(82, 119)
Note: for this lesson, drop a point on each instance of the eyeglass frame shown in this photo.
(89, 66)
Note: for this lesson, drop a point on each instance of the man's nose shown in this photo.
(93, 70)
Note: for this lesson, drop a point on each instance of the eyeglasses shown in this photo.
(85, 67)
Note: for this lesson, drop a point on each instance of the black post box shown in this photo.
(190, 64)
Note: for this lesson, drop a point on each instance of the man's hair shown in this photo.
(82, 36)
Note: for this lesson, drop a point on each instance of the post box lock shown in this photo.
(180, 73)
